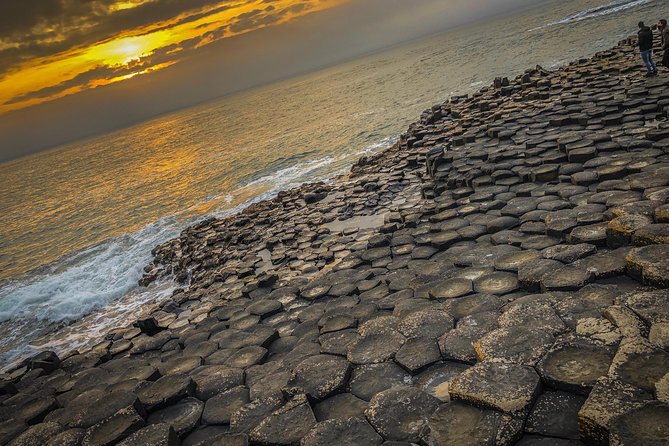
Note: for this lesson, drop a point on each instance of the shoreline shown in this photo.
(502, 266)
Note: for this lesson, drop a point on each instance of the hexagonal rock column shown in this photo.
(428, 323)
(457, 345)
(156, 434)
(341, 405)
(437, 378)
(113, 429)
(609, 398)
(86, 414)
(566, 278)
(639, 363)
(535, 314)
(569, 253)
(450, 288)
(167, 390)
(593, 234)
(375, 347)
(251, 414)
(343, 432)
(498, 283)
(183, 416)
(70, 437)
(645, 425)
(555, 414)
(531, 273)
(650, 264)
(213, 380)
(47, 361)
(320, 376)
(515, 260)
(605, 265)
(401, 413)
(458, 424)
(368, 380)
(522, 345)
(652, 235)
(501, 386)
(650, 304)
(38, 434)
(620, 230)
(287, 425)
(574, 366)
(219, 409)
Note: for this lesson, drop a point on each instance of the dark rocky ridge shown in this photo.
(497, 277)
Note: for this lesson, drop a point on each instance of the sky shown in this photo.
(75, 68)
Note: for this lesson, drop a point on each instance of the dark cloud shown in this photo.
(21, 16)
(259, 17)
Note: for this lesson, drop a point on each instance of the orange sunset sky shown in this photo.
(101, 53)
(71, 69)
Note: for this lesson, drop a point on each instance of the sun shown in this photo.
(140, 50)
(128, 52)
(121, 51)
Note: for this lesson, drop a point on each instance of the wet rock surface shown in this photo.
(460, 424)
(354, 431)
(400, 414)
(498, 276)
(506, 387)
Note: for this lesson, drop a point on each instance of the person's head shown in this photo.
(641, 25)
(662, 23)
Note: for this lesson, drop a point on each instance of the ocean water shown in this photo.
(78, 222)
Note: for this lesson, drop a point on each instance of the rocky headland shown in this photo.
(497, 277)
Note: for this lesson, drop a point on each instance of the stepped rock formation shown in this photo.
(497, 277)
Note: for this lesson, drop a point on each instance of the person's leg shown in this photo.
(645, 56)
(652, 62)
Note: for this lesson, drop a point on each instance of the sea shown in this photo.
(78, 221)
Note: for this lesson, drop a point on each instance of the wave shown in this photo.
(73, 296)
(598, 11)
(78, 285)
(383, 143)
(293, 174)
(299, 173)
(27, 336)
(87, 280)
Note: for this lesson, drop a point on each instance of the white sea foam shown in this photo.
(599, 11)
(382, 144)
(87, 280)
(78, 335)
(293, 175)
(211, 202)
(80, 287)
(90, 279)
(300, 173)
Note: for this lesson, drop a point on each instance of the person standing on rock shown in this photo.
(646, 49)
(664, 32)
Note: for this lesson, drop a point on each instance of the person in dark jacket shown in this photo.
(646, 48)
(664, 32)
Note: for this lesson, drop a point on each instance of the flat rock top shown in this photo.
(498, 276)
